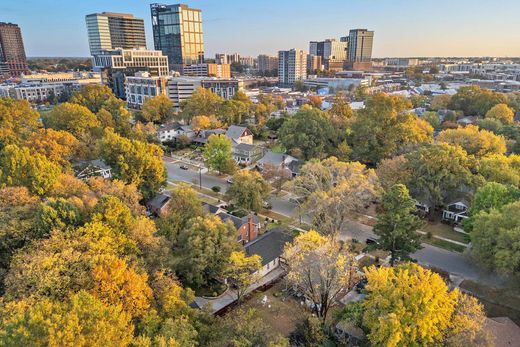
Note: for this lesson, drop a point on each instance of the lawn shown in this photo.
(443, 244)
(446, 231)
(277, 148)
(279, 313)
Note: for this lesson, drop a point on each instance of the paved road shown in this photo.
(452, 262)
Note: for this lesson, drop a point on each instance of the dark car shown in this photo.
(361, 285)
(371, 241)
(184, 167)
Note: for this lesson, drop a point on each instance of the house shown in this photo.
(158, 204)
(238, 134)
(248, 227)
(269, 246)
(456, 211)
(246, 154)
(202, 137)
(171, 131)
(280, 160)
(93, 168)
(212, 209)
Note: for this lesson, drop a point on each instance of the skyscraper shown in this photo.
(13, 61)
(177, 32)
(360, 43)
(108, 30)
(292, 67)
(267, 63)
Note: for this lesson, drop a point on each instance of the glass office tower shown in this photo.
(177, 32)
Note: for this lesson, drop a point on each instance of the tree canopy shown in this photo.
(476, 142)
(249, 190)
(475, 101)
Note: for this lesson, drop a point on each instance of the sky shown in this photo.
(403, 28)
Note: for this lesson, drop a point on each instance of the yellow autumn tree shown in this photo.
(56, 145)
(320, 267)
(117, 283)
(474, 141)
(501, 112)
(407, 305)
(242, 271)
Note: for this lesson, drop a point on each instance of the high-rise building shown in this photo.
(108, 30)
(292, 67)
(333, 53)
(267, 63)
(13, 61)
(116, 64)
(360, 43)
(314, 63)
(177, 32)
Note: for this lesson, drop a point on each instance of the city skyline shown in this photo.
(403, 28)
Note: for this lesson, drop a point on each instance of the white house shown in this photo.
(171, 131)
(238, 134)
(456, 211)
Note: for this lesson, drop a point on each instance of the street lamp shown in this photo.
(200, 178)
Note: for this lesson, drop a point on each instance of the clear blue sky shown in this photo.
(250, 27)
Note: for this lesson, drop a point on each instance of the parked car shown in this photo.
(361, 285)
(230, 180)
(267, 205)
(371, 241)
(184, 167)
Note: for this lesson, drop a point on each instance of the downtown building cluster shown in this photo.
(175, 67)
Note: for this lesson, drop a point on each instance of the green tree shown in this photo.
(203, 102)
(74, 118)
(217, 153)
(440, 102)
(158, 109)
(204, 250)
(134, 162)
(432, 118)
(476, 142)
(17, 121)
(436, 170)
(249, 190)
(187, 205)
(383, 126)
(496, 236)
(397, 226)
(58, 214)
(20, 167)
(501, 112)
(475, 101)
(307, 134)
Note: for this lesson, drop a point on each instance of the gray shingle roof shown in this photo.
(235, 132)
(270, 245)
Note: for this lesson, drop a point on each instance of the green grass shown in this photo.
(277, 148)
(446, 231)
(444, 244)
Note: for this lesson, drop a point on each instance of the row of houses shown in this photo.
(245, 152)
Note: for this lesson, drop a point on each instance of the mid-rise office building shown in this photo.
(207, 70)
(267, 63)
(223, 58)
(177, 32)
(115, 65)
(142, 86)
(314, 63)
(182, 88)
(109, 30)
(292, 67)
(248, 62)
(13, 61)
(360, 43)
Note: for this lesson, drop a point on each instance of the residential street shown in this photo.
(452, 262)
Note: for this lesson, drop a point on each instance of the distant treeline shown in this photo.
(57, 64)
